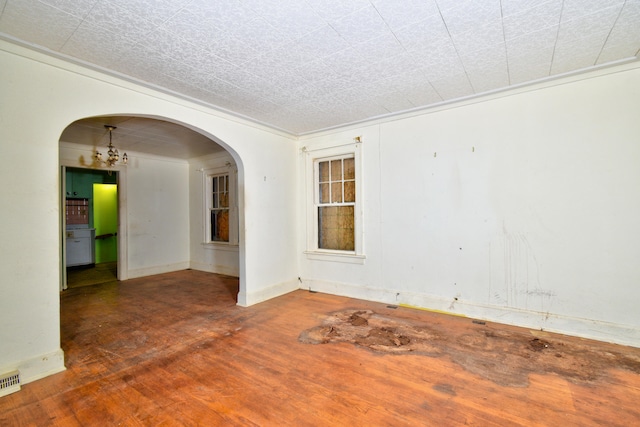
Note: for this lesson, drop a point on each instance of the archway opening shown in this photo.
(172, 194)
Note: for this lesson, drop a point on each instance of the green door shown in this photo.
(105, 221)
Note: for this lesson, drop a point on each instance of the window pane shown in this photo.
(336, 170)
(324, 193)
(220, 225)
(214, 182)
(336, 228)
(350, 191)
(224, 200)
(350, 168)
(214, 230)
(223, 225)
(336, 192)
(323, 170)
(215, 201)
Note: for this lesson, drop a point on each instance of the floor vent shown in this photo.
(9, 383)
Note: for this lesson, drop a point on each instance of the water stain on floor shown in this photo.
(503, 356)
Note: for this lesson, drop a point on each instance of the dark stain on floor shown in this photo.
(503, 356)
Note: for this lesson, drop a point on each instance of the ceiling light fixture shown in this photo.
(114, 156)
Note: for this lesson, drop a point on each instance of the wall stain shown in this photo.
(515, 274)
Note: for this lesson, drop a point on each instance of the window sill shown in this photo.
(349, 258)
(220, 246)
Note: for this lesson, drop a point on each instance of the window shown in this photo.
(335, 203)
(221, 213)
(219, 209)
(334, 214)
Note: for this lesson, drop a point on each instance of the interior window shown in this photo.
(219, 208)
(335, 203)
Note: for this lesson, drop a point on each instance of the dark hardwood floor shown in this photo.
(90, 275)
(175, 349)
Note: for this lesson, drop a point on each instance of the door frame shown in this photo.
(122, 265)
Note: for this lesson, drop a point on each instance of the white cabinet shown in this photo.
(81, 246)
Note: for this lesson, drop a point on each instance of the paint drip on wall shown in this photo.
(515, 274)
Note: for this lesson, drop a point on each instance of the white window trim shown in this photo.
(207, 175)
(312, 251)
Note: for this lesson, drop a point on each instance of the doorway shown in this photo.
(91, 227)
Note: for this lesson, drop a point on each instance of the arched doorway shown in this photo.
(163, 193)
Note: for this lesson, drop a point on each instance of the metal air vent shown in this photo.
(9, 383)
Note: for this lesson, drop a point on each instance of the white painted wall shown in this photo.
(521, 208)
(158, 216)
(269, 211)
(40, 97)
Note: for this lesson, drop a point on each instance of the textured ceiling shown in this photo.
(141, 135)
(302, 66)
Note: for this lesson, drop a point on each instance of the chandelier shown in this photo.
(113, 155)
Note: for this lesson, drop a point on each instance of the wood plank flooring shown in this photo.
(176, 350)
(92, 274)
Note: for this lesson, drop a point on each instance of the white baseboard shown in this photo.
(551, 322)
(218, 269)
(38, 367)
(150, 271)
(246, 299)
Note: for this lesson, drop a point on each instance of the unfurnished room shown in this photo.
(320, 213)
